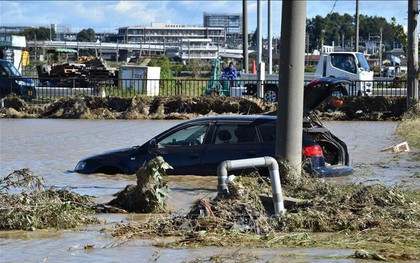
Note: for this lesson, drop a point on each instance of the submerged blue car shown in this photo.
(198, 146)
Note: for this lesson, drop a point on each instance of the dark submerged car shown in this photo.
(199, 145)
(12, 81)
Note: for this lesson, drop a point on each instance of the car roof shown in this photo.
(222, 118)
(235, 117)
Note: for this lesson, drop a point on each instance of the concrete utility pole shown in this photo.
(357, 26)
(380, 53)
(291, 79)
(270, 40)
(245, 35)
(412, 62)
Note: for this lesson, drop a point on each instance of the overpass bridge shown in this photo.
(124, 51)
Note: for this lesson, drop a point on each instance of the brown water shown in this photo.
(51, 149)
(365, 141)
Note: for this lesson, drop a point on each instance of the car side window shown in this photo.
(189, 136)
(235, 134)
(268, 132)
(2, 72)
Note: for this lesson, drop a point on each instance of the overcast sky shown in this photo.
(110, 15)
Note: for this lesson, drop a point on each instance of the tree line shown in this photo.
(46, 33)
(333, 28)
(341, 30)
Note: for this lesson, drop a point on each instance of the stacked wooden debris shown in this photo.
(76, 74)
(98, 69)
(67, 70)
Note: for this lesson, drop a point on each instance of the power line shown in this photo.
(332, 9)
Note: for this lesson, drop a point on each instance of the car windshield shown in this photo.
(10, 69)
(362, 62)
(344, 61)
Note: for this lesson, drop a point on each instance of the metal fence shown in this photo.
(52, 89)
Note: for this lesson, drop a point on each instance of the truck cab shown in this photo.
(352, 66)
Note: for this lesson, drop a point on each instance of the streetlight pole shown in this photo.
(270, 42)
(260, 64)
(245, 35)
(357, 26)
(380, 54)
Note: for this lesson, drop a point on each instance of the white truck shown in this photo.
(394, 71)
(352, 66)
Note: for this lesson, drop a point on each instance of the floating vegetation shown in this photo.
(32, 206)
(150, 193)
(236, 256)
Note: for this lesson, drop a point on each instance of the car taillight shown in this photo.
(312, 151)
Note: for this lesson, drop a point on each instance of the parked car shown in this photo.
(12, 81)
(199, 145)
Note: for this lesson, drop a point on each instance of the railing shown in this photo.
(47, 90)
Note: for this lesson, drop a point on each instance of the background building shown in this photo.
(232, 23)
(169, 34)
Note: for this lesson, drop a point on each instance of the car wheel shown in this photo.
(270, 96)
(214, 93)
(339, 93)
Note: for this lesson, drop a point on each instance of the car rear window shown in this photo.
(268, 132)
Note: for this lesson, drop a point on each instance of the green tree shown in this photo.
(399, 34)
(41, 33)
(165, 67)
(86, 35)
(316, 27)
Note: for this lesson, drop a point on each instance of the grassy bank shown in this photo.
(409, 128)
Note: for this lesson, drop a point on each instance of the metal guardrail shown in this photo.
(48, 90)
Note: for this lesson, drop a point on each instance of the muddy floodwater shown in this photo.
(51, 149)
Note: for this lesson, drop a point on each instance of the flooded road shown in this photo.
(51, 149)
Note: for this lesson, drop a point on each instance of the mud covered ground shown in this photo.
(176, 107)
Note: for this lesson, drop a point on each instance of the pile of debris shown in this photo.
(87, 74)
(339, 216)
(36, 207)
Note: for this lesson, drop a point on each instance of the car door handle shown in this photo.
(251, 153)
(194, 155)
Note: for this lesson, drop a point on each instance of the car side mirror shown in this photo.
(153, 145)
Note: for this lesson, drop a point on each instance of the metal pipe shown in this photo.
(267, 161)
